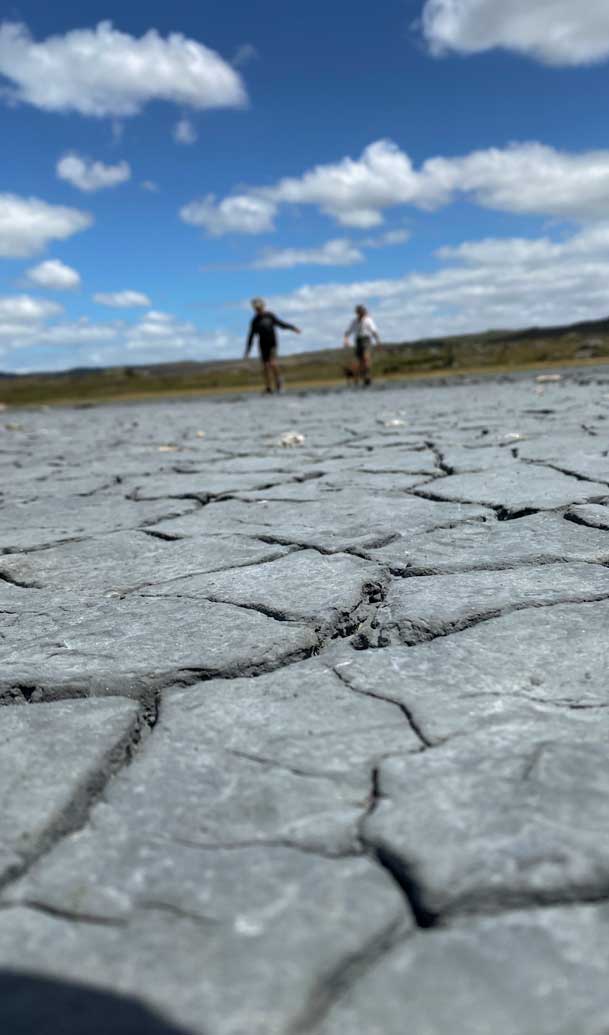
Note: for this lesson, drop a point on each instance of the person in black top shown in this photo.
(263, 327)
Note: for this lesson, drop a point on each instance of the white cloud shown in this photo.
(55, 275)
(505, 283)
(104, 72)
(184, 132)
(23, 309)
(521, 251)
(355, 191)
(339, 252)
(150, 186)
(556, 32)
(242, 214)
(526, 178)
(60, 336)
(91, 176)
(156, 337)
(122, 299)
(28, 224)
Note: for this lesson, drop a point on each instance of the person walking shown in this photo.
(363, 330)
(263, 327)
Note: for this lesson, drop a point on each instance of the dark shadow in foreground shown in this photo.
(33, 1005)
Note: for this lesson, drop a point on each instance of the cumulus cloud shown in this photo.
(184, 132)
(23, 309)
(510, 282)
(556, 32)
(59, 344)
(339, 252)
(66, 339)
(521, 251)
(355, 191)
(91, 176)
(122, 299)
(103, 72)
(55, 275)
(161, 336)
(526, 178)
(240, 213)
(28, 224)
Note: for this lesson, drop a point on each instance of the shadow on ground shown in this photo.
(32, 1005)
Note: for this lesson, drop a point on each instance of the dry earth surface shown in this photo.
(310, 738)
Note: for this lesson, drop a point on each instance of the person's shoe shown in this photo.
(367, 382)
(268, 391)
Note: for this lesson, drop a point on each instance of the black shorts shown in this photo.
(268, 351)
(362, 346)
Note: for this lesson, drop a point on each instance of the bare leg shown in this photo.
(365, 367)
(276, 374)
(266, 367)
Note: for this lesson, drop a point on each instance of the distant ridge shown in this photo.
(505, 349)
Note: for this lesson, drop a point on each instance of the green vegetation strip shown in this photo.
(493, 352)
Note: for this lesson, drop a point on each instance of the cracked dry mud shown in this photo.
(313, 739)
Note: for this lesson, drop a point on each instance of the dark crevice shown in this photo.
(261, 609)
(429, 571)
(566, 471)
(405, 877)
(272, 763)
(277, 842)
(494, 902)
(577, 519)
(505, 514)
(502, 513)
(45, 546)
(176, 579)
(412, 633)
(12, 694)
(336, 982)
(363, 552)
(165, 536)
(12, 581)
(172, 515)
(276, 540)
(189, 676)
(416, 729)
(57, 913)
(439, 457)
(75, 814)
(204, 498)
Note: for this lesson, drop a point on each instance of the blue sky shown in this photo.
(444, 161)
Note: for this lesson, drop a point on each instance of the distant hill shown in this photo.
(498, 349)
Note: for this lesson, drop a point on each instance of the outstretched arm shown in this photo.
(285, 326)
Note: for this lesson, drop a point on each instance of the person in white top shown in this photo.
(363, 330)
